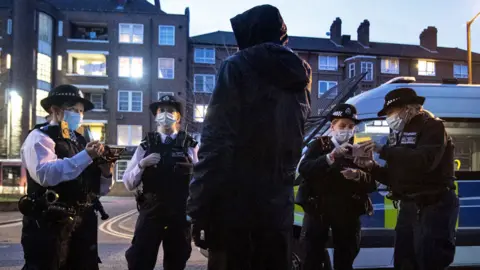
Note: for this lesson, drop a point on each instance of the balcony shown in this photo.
(87, 63)
(88, 32)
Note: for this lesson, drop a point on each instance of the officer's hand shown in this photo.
(372, 146)
(364, 163)
(150, 160)
(338, 152)
(93, 149)
(351, 174)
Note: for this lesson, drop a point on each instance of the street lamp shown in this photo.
(469, 48)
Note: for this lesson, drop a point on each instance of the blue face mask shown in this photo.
(73, 119)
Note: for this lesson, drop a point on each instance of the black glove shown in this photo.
(200, 234)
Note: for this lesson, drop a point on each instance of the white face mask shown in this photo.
(344, 135)
(395, 122)
(165, 119)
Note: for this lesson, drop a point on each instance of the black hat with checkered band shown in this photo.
(65, 93)
(400, 97)
(166, 100)
(344, 111)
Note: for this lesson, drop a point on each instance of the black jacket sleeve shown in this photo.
(428, 153)
(220, 131)
(366, 183)
(314, 165)
(379, 174)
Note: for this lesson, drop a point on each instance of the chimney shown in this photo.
(157, 5)
(428, 38)
(336, 31)
(363, 33)
(345, 39)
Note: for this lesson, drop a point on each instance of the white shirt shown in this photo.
(45, 168)
(133, 174)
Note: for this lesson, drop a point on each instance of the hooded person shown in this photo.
(160, 170)
(334, 193)
(241, 197)
(59, 161)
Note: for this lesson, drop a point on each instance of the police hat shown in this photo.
(166, 100)
(400, 97)
(344, 111)
(65, 93)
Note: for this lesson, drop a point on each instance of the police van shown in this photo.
(459, 106)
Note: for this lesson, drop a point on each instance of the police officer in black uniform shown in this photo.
(161, 170)
(58, 195)
(334, 193)
(419, 171)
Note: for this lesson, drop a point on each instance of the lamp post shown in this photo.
(469, 48)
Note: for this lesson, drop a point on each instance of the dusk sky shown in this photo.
(395, 21)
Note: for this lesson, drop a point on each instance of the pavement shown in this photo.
(114, 237)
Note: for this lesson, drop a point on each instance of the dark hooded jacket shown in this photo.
(253, 131)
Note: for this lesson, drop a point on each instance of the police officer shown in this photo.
(57, 158)
(335, 193)
(162, 167)
(419, 171)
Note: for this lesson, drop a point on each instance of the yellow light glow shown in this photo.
(9, 61)
(59, 62)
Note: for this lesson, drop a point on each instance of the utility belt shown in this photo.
(47, 205)
(317, 204)
(422, 199)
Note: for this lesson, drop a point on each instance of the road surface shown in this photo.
(114, 235)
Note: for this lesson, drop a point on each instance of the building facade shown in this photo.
(122, 54)
(333, 60)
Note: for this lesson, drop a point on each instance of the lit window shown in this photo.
(130, 101)
(131, 33)
(200, 112)
(324, 86)
(390, 66)
(460, 71)
(59, 62)
(44, 68)
(166, 35)
(130, 67)
(203, 83)
(367, 67)
(129, 134)
(86, 64)
(120, 168)
(40, 112)
(327, 62)
(45, 33)
(166, 68)
(204, 55)
(351, 70)
(426, 68)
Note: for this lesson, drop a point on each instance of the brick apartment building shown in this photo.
(123, 54)
(335, 59)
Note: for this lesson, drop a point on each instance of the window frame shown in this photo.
(103, 101)
(350, 69)
(129, 134)
(204, 83)
(173, 68)
(462, 76)
(130, 61)
(159, 35)
(131, 34)
(162, 93)
(383, 68)
(117, 179)
(204, 59)
(130, 101)
(328, 67)
(369, 77)
(426, 74)
(319, 95)
(204, 109)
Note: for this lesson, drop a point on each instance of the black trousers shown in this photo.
(425, 236)
(153, 229)
(238, 249)
(346, 240)
(68, 245)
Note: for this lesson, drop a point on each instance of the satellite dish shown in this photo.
(328, 34)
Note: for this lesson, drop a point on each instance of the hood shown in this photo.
(279, 65)
(258, 25)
